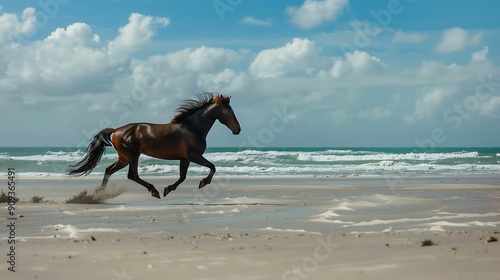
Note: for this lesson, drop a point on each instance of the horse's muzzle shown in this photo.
(237, 130)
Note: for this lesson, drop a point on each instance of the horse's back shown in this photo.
(165, 141)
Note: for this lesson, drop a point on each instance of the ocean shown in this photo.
(50, 162)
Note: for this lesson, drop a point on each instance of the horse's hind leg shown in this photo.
(120, 163)
(134, 176)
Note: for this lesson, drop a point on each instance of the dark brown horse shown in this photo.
(183, 139)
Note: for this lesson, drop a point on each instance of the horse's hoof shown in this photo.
(202, 184)
(155, 193)
(166, 191)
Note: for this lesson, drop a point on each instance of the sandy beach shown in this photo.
(257, 228)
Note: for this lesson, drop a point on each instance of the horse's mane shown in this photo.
(189, 106)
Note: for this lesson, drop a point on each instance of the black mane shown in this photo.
(189, 106)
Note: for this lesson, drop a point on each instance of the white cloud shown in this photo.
(357, 62)
(454, 84)
(337, 116)
(255, 21)
(226, 81)
(298, 56)
(481, 55)
(71, 60)
(457, 39)
(438, 72)
(67, 57)
(434, 69)
(199, 60)
(490, 107)
(313, 13)
(376, 113)
(177, 75)
(187, 70)
(429, 99)
(408, 37)
(136, 34)
(11, 27)
(73, 52)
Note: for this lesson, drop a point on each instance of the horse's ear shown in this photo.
(222, 100)
(217, 100)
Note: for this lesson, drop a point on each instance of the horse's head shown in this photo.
(226, 114)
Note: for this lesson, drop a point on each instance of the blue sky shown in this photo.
(302, 73)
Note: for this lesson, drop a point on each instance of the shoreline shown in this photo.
(59, 190)
(494, 178)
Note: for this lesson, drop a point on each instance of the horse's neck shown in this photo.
(204, 119)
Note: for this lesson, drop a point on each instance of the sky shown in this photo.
(301, 73)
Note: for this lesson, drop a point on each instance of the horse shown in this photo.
(183, 139)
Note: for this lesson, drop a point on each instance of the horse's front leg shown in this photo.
(199, 159)
(183, 172)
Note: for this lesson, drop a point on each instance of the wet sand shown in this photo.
(259, 228)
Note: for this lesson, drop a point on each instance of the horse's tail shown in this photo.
(93, 155)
